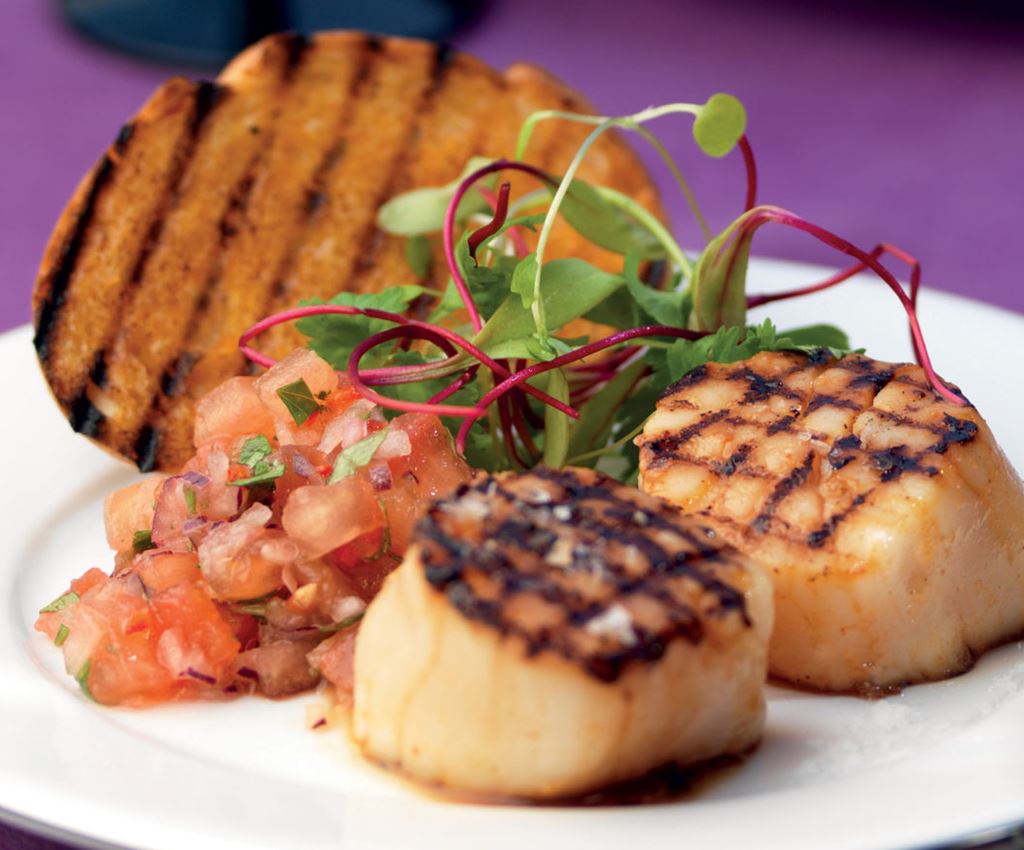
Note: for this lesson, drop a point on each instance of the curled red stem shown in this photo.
(750, 165)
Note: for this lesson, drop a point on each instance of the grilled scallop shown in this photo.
(890, 521)
(221, 202)
(551, 633)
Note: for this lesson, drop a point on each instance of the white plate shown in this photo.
(937, 763)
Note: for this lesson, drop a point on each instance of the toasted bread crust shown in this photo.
(221, 202)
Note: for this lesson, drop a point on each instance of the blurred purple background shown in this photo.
(899, 126)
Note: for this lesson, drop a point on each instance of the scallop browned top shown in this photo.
(220, 202)
(796, 445)
(573, 563)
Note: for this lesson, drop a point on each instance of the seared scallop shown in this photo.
(551, 633)
(890, 522)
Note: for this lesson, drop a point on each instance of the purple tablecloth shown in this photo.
(882, 126)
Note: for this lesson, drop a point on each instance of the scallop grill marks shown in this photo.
(542, 557)
(867, 379)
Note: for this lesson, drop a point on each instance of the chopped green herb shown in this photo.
(62, 635)
(190, 501)
(60, 603)
(142, 540)
(254, 450)
(254, 454)
(347, 623)
(262, 473)
(298, 398)
(83, 680)
(356, 456)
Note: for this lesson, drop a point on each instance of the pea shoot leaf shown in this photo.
(604, 224)
(719, 124)
(422, 211)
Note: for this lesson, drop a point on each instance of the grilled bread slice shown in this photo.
(890, 521)
(551, 633)
(223, 201)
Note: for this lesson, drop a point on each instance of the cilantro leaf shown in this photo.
(356, 456)
(298, 398)
(83, 679)
(142, 540)
(254, 450)
(190, 500)
(262, 473)
(62, 635)
(60, 603)
(334, 336)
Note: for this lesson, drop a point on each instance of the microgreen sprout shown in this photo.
(494, 351)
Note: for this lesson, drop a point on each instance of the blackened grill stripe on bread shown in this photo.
(184, 256)
(453, 125)
(264, 233)
(417, 112)
(387, 115)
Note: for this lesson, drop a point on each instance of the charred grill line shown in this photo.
(817, 539)
(831, 401)
(787, 485)
(56, 294)
(665, 446)
(596, 515)
(205, 98)
(761, 388)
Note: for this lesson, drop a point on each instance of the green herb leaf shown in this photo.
(62, 635)
(719, 284)
(665, 308)
(569, 289)
(422, 211)
(356, 456)
(812, 337)
(298, 398)
(556, 423)
(522, 279)
(347, 623)
(60, 603)
(419, 256)
(606, 225)
(190, 500)
(599, 414)
(83, 679)
(719, 124)
(254, 450)
(334, 336)
(262, 473)
(142, 540)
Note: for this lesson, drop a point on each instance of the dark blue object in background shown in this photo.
(210, 32)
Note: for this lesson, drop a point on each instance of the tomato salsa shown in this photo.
(248, 571)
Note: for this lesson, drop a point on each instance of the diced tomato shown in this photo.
(335, 659)
(232, 410)
(196, 642)
(302, 364)
(320, 519)
(161, 569)
(129, 510)
(280, 667)
(243, 559)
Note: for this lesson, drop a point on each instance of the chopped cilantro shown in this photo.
(62, 635)
(254, 450)
(356, 456)
(60, 603)
(348, 622)
(262, 473)
(298, 398)
(190, 500)
(142, 540)
(83, 680)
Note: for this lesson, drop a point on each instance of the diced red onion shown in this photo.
(195, 524)
(303, 466)
(202, 677)
(380, 477)
(248, 673)
(196, 479)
